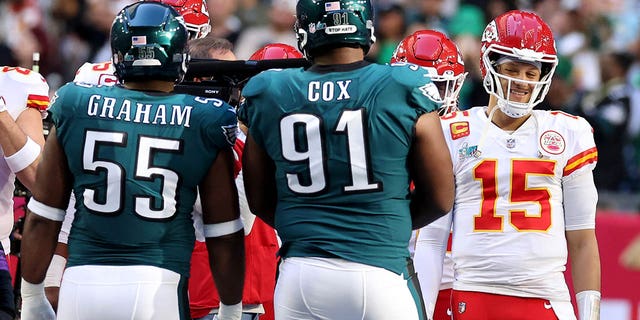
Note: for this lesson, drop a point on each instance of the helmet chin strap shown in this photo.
(511, 109)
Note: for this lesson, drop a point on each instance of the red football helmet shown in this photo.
(196, 16)
(441, 57)
(520, 36)
(276, 51)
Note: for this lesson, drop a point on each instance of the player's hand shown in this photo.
(35, 305)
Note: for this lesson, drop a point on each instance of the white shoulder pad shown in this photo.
(22, 76)
(96, 74)
(22, 88)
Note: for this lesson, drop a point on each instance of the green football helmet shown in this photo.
(149, 42)
(333, 23)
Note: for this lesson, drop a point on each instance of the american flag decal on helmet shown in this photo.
(332, 6)
(138, 40)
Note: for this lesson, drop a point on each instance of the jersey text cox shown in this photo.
(328, 91)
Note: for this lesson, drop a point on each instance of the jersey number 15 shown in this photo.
(520, 192)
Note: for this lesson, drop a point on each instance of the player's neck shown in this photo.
(150, 85)
(342, 55)
(505, 122)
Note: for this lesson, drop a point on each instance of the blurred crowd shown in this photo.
(598, 43)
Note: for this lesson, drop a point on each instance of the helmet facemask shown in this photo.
(494, 86)
(449, 86)
(198, 31)
(195, 14)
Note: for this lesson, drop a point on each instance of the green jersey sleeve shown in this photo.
(423, 92)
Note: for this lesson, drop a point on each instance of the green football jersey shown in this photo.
(137, 159)
(340, 137)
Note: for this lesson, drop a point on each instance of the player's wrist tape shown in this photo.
(46, 211)
(34, 302)
(54, 273)
(23, 157)
(30, 290)
(223, 228)
(232, 312)
(588, 305)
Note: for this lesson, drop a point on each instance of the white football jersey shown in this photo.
(20, 88)
(508, 215)
(96, 73)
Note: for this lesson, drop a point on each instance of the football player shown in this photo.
(438, 54)
(24, 99)
(328, 159)
(135, 155)
(196, 17)
(525, 196)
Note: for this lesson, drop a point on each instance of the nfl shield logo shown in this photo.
(230, 133)
(511, 143)
(462, 307)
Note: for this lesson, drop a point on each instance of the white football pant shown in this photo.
(336, 289)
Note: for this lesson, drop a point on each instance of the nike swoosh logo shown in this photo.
(547, 305)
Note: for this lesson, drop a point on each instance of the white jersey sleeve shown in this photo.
(97, 74)
(429, 259)
(580, 200)
(21, 89)
(580, 196)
